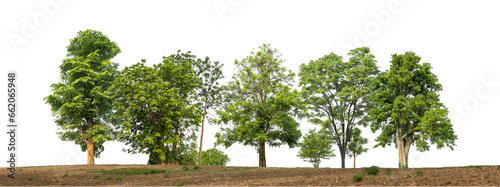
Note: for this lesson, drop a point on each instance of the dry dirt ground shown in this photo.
(134, 175)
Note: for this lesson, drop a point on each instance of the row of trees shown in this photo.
(158, 110)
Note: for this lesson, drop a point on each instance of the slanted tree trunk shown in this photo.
(262, 154)
(202, 129)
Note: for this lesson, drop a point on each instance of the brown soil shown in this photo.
(83, 175)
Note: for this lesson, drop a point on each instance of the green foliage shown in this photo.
(419, 172)
(196, 167)
(407, 107)
(373, 170)
(31, 178)
(388, 171)
(214, 157)
(155, 109)
(337, 93)
(180, 184)
(96, 177)
(119, 178)
(315, 146)
(64, 176)
(260, 104)
(80, 101)
(109, 178)
(357, 177)
(185, 168)
(408, 175)
(166, 176)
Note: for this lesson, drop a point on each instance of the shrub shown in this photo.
(180, 184)
(357, 178)
(214, 157)
(388, 171)
(419, 172)
(408, 175)
(371, 170)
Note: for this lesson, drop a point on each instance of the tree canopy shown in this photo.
(407, 107)
(80, 101)
(337, 93)
(154, 108)
(262, 104)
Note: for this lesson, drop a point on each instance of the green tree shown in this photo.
(210, 92)
(214, 157)
(262, 104)
(80, 101)
(316, 146)
(407, 108)
(355, 146)
(338, 93)
(153, 108)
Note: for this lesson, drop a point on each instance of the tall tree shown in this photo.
(315, 147)
(262, 106)
(80, 101)
(407, 108)
(153, 110)
(355, 146)
(210, 92)
(338, 91)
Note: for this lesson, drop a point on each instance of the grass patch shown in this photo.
(96, 177)
(180, 184)
(20, 169)
(166, 176)
(408, 175)
(196, 167)
(119, 178)
(477, 167)
(109, 178)
(127, 171)
(185, 168)
(388, 171)
(31, 178)
(419, 172)
(64, 176)
(357, 177)
(373, 170)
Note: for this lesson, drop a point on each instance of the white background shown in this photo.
(459, 38)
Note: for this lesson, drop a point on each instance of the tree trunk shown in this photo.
(90, 151)
(262, 154)
(90, 144)
(402, 153)
(342, 156)
(202, 129)
(354, 160)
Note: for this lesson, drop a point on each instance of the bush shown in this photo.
(214, 157)
(419, 172)
(357, 178)
(388, 171)
(374, 170)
